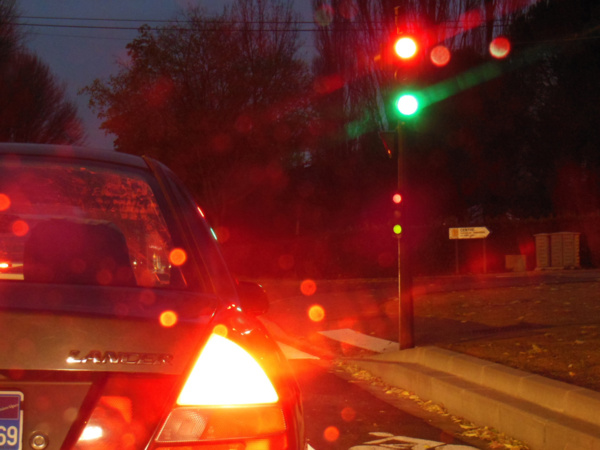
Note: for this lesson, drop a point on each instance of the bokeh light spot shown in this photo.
(316, 313)
(177, 257)
(223, 234)
(220, 330)
(168, 318)
(104, 277)
(348, 9)
(286, 262)
(331, 434)
(324, 15)
(348, 414)
(500, 47)
(20, 228)
(308, 287)
(4, 202)
(440, 55)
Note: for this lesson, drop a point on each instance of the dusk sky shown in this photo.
(76, 56)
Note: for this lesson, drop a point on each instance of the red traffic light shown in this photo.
(397, 198)
(406, 47)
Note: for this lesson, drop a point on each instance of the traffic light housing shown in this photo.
(397, 215)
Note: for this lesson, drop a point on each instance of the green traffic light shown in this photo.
(397, 229)
(408, 104)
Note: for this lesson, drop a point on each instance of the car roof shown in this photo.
(72, 151)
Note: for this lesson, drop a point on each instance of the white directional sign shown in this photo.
(469, 233)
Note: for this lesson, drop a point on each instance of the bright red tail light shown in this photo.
(227, 397)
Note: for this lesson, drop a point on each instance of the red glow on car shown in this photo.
(4, 202)
(316, 313)
(177, 257)
(308, 287)
(168, 319)
(331, 434)
(348, 414)
(20, 228)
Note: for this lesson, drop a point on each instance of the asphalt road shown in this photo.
(342, 414)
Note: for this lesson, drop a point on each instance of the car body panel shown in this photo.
(88, 355)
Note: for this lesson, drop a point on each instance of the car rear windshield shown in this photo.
(82, 224)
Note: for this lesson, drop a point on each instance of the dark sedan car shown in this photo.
(120, 325)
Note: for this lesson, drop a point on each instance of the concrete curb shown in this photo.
(545, 414)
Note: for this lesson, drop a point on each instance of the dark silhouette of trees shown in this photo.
(354, 102)
(562, 46)
(9, 32)
(222, 100)
(33, 107)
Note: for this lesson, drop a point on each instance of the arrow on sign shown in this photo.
(469, 233)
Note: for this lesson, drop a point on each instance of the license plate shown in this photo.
(11, 420)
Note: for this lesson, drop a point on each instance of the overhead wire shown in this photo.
(281, 26)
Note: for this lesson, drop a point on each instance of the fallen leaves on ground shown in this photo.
(494, 438)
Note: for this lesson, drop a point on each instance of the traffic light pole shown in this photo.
(405, 299)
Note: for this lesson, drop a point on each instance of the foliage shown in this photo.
(33, 107)
(221, 100)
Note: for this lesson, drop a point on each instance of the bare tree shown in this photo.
(33, 107)
(10, 37)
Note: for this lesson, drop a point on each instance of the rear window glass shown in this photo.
(82, 224)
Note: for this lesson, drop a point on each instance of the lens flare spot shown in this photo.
(4, 202)
(500, 47)
(440, 55)
(286, 262)
(168, 319)
(223, 234)
(220, 330)
(324, 15)
(348, 414)
(20, 228)
(177, 257)
(308, 287)
(316, 313)
(331, 434)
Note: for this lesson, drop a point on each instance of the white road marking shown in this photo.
(388, 440)
(356, 339)
(294, 353)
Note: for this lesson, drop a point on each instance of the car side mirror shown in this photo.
(254, 300)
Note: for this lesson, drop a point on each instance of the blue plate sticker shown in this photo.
(11, 420)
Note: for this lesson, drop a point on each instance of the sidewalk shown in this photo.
(544, 413)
